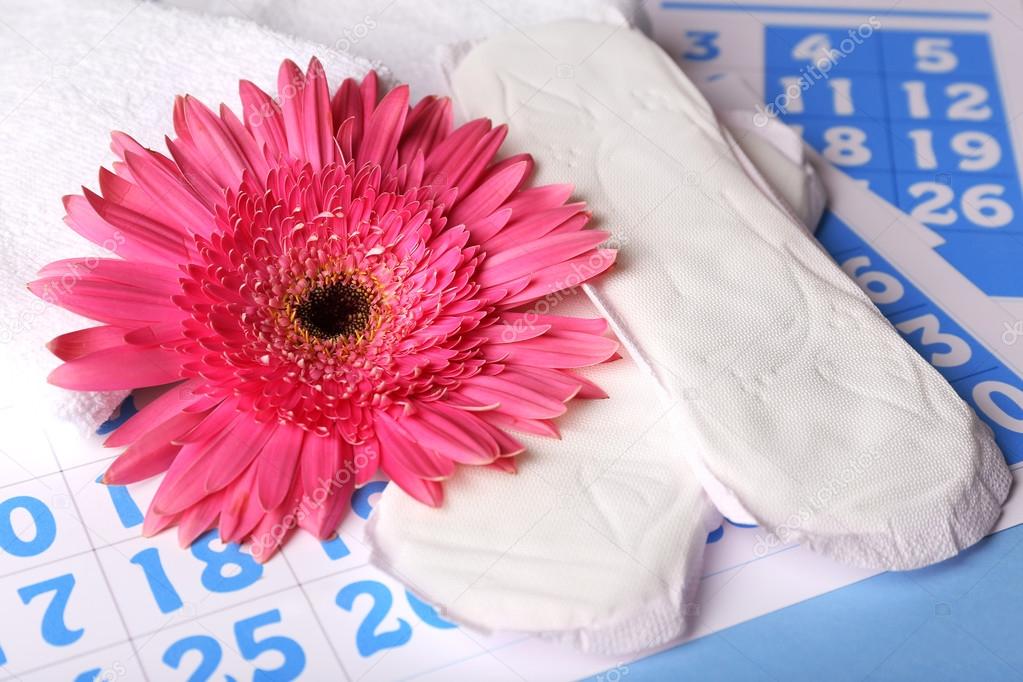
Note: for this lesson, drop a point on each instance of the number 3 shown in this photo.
(703, 46)
(958, 352)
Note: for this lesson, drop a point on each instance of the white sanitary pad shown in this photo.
(805, 403)
(71, 73)
(597, 541)
(790, 395)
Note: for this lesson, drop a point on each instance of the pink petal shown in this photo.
(453, 433)
(172, 401)
(290, 83)
(317, 128)
(198, 519)
(157, 279)
(263, 118)
(277, 464)
(380, 141)
(106, 301)
(489, 196)
(119, 368)
(240, 511)
(402, 449)
(164, 185)
(428, 492)
(74, 345)
(152, 453)
(122, 231)
(538, 254)
(567, 275)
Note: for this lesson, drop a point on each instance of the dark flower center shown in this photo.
(335, 310)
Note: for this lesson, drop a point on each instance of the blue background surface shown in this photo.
(958, 620)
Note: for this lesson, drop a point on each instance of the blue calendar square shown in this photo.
(836, 237)
(946, 201)
(882, 283)
(881, 183)
(952, 148)
(934, 54)
(850, 145)
(969, 100)
(812, 50)
(991, 261)
(997, 397)
(942, 342)
(853, 95)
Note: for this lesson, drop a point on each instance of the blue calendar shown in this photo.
(915, 103)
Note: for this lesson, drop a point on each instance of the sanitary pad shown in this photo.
(805, 405)
(770, 373)
(597, 541)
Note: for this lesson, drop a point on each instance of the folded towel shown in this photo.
(405, 34)
(72, 72)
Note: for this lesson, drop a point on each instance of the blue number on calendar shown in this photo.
(703, 46)
(427, 613)
(208, 648)
(55, 630)
(249, 646)
(336, 548)
(127, 511)
(42, 518)
(367, 640)
(214, 578)
(360, 499)
(167, 598)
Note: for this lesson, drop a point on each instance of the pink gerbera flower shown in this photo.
(330, 286)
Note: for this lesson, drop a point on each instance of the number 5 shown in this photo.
(934, 55)
(250, 648)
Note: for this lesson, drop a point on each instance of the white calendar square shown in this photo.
(56, 611)
(274, 638)
(383, 632)
(157, 584)
(38, 525)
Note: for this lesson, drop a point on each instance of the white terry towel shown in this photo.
(72, 72)
(796, 399)
(405, 34)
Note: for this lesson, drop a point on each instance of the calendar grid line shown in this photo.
(95, 557)
(466, 659)
(316, 617)
(66, 659)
